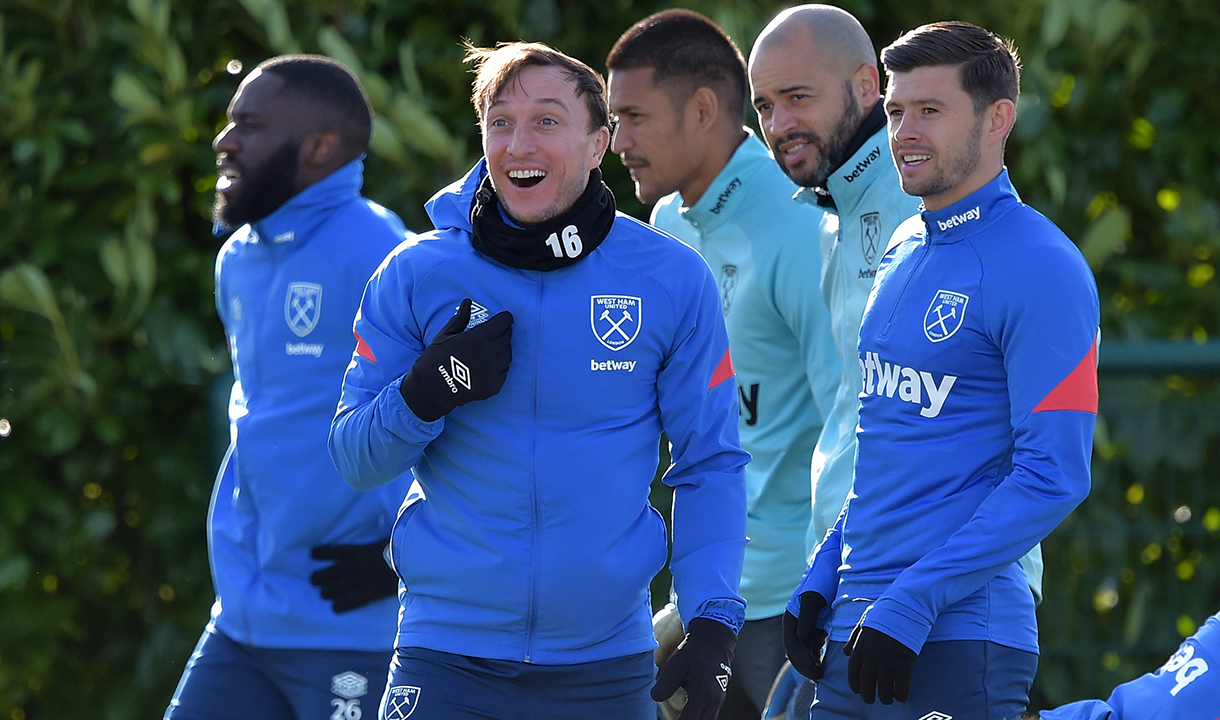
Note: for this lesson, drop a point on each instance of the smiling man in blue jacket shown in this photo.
(304, 616)
(978, 350)
(524, 359)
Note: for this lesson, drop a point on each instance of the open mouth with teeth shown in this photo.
(526, 178)
(915, 159)
(228, 178)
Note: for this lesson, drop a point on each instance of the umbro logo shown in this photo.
(458, 374)
(935, 715)
(478, 315)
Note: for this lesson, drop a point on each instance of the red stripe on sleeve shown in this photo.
(1077, 391)
(724, 371)
(363, 349)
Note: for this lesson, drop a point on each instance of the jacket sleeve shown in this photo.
(822, 574)
(698, 404)
(1042, 313)
(374, 437)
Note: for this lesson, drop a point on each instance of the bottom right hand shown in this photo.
(803, 639)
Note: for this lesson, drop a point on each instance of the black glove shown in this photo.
(459, 365)
(878, 662)
(803, 639)
(702, 665)
(359, 576)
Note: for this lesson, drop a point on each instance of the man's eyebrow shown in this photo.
(544, 101)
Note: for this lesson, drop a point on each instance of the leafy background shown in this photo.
(112, 361)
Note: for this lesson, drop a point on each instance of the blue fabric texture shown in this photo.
(287, 289)
(529, 536)
(763, 249)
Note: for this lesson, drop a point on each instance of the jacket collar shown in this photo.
(723, 195)
(296, 220)
(972, 213)
(869, 161)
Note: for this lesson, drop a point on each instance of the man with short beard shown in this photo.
(978, 347)
(816, 88)
(302, 627)
(678, 88)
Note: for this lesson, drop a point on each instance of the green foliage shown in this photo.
(109, 344)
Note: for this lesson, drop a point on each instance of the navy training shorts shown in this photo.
(226, 680)
(962, 679)
(432, 685)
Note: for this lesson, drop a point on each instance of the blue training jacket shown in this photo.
(764, 249)
(287, 289)
(978, 350)
(1187, 687)
(529, 536)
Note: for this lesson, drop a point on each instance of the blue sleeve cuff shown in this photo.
(729, 612)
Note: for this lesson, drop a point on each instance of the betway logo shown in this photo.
(628, 365)
(972, 214)
(863, 165)
(882, 378)
(724, 196)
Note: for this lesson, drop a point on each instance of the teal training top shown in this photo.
(763, 250)
(869, 206)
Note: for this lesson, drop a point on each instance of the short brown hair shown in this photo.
(496, 67)
(988, 66)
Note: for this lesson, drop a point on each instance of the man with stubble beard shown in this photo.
(303, 623)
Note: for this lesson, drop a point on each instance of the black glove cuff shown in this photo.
(418, 397)
(713, 631)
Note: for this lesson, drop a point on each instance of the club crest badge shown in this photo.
(615, 319)
(303, 307)
(870, 235)
(728, 286)
(401, 701)
(944, 316)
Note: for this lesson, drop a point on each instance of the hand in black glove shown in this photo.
(702, 665)
(459, 365)
(878, 662)
(359, 575)
(803, 639)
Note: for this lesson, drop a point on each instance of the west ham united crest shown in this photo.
(401, 701)
(944, 316)
(728, 286)
(303, 307)
(870, 235)
(615, 319)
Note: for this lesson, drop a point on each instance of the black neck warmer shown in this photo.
(549, 245)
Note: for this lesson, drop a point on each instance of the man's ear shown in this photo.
(866, 84)
(600, 144)
(320, 150)
(998, 120)
(705, 108)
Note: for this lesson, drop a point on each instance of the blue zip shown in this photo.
(531, 619)
(927, 250)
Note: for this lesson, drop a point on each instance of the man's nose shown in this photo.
(225, 140)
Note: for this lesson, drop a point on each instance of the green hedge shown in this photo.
(109, 344)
